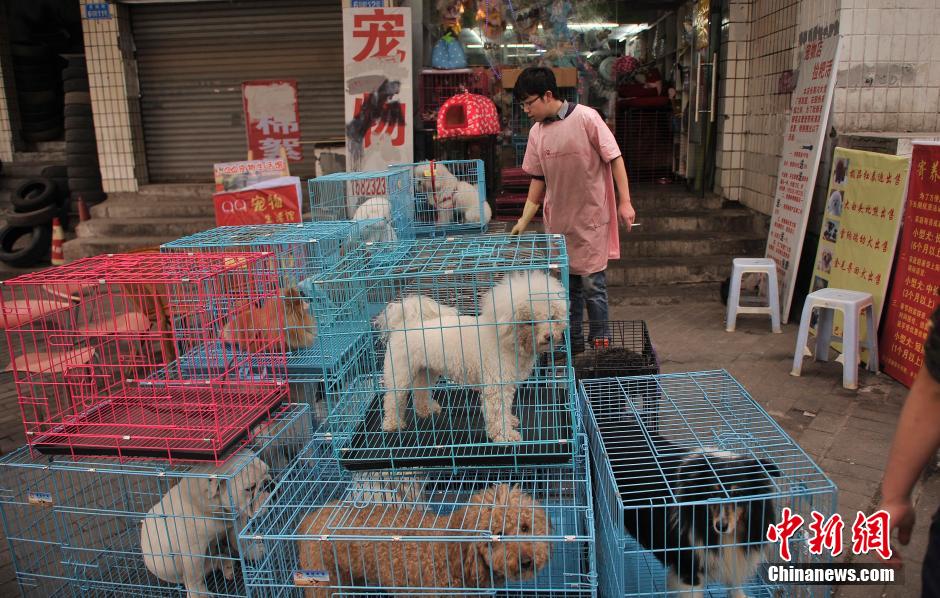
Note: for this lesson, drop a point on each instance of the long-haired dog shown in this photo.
(714, 529)
(192, 523)
(525, 314)
(379, 210)
(450, 196)
(500, 511)
(255, 327)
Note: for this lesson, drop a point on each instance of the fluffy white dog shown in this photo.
(380, 210)
(521, 317)
(448, 195)
(190, 524)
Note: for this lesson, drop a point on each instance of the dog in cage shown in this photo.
(450, 196)
(501, 514)
(715, 530)
(254, 327)
(378, 209)
(524, 315)
(183, 535)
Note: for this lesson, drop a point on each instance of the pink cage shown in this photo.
(173, 356)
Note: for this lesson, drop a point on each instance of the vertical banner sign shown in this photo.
(796, 177)
(860, 227)
(377, 63)
(272, 119)
(917, 275)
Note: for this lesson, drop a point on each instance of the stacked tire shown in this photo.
(26, 235)
(39, 91)
(81, 149)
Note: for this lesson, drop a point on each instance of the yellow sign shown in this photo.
(860, 227)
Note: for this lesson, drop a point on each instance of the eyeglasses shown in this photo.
(528, 103)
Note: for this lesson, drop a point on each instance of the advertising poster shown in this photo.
(230, 176)
(796, 176)
(275, 201)
(377, 68)
(917, 274)
(859, 233)
(272, 119)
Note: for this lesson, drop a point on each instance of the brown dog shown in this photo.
(254, 328)
(499, 514)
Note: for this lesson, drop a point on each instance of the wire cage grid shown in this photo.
(463, 298)
(94, 354)
(426, 516)
(627, 351)
(302, 252)
(439, 85)
(648, 434)
(380, 200)
(78, 524)
(450, 197)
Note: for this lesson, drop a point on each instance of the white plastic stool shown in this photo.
(852, 304)
(764, 266)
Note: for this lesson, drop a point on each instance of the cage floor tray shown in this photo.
(456, 436)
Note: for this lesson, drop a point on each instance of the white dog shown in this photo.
(192, 521)
(448, 195)
(380, 210)
(519, 318)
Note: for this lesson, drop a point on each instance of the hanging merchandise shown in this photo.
(448, 53)
(467, 115)
(491, 18)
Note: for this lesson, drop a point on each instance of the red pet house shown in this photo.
(467, 115)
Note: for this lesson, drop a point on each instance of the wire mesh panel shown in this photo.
(136, 528)
(627, 352)
(301, 251)
(467, 532)
(453, 374)
(126, 354)
(450, 197)
(645, 136)
(689, 474)
(381, 201)
(437, 86)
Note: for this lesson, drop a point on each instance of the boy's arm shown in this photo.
(625, 212)
(532, 203)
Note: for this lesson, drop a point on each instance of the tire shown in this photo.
(83, 110)
(75, 85)
(84, 172)
(78, 122)
(43, 215)
(91, 198)
(29, 50)
(82, 184)
(81, 159)
(33, 81)
(38, 97)
(35, 250)
(75, 71)
(80, 147)
(35, 194)
(54, 172)
(48, 135)
(77, 97)
(41, 111)
(30, 126)
(79, 135)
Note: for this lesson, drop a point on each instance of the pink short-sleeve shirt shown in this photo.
(574, 155)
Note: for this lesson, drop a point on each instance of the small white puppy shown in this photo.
(192, 521)
(467, 202)
(380, 210)
(521, 317)
(449, 195)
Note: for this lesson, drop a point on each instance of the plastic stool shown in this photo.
(852, 304)
(764, 266)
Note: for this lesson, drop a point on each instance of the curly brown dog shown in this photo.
(498, 510)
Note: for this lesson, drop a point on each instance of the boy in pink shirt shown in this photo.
(574, 161)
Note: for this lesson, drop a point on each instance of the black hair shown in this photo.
(535, 81)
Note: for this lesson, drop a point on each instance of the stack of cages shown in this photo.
(322, 332)
(449, 196)
(123, 354)
(80, 526)
(380, 200)
(437, 86)
(625, 349)
(689, 474)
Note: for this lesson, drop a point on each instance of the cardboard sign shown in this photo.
(271, 202)
(231, 176)
(272, 119)
(917, 275)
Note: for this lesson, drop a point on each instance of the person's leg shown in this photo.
(575, 312)
(595, 295)
(930, 572)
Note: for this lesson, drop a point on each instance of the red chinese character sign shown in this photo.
(272, 119)
(796, 176)
(276, 201)
(377, 58)
(917, 274)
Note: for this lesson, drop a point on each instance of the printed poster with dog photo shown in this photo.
(377, 68)
(860, 227)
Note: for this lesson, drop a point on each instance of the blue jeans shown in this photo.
(590, 289)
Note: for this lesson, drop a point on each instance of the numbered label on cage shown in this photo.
(41, 499)
(311, 577)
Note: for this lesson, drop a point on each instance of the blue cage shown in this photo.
(381, 200)
(465, 531)
(96, 526)
(456, 372)
(450, 197)
(626, 351)
(686, 466)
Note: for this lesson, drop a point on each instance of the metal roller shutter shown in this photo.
(192, 59)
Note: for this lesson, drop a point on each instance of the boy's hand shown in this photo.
(902, 519)
(517, 229)
(626, 214)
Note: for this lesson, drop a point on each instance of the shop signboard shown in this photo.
(275, 201)
(796, 176)
(860, 227)
(377, 65)
(917, 274)
(272, 120)
(230, 176)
